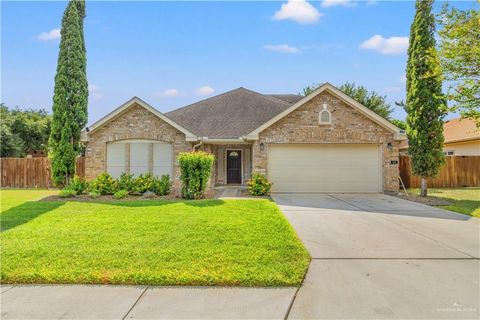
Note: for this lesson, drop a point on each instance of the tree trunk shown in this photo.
(423, 189)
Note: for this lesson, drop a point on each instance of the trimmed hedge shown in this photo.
(196, 168)
(258, 185)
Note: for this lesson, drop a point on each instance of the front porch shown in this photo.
(233, 163)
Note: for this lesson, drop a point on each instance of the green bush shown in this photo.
(126, 182)
(120, 194)
(94, 194)
(78, 184)
(196, 168)
(162, 186)
(144, 183)
(103, 184)
(258, 185)
(67, 193)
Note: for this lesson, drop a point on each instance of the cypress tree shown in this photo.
(70, 97)
(425, 104)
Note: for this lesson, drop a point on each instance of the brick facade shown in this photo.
(135, 123)
(348, 126)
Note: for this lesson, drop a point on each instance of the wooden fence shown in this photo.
(458, 171)
(31, 172)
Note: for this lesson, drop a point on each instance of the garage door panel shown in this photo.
(325, 168)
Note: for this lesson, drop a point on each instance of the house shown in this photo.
(324, 142)
(462, 138)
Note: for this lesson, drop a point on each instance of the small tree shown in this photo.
(459, 52)
(425, 104)
(370, 99)
(196, 168)
(70, 95)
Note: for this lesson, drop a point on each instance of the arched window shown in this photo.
(325, 116)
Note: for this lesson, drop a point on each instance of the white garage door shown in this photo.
(145, 156)
(325, 168)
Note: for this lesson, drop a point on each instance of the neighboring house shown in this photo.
(324, 142)
(462, 138)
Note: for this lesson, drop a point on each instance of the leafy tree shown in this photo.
(369, 99)
(459, 52)
(425, 104)
(70, 95)
(399, 123)
(23, 131)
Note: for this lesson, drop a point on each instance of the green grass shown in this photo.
(14, 197)
(464, 200)
(205, 242)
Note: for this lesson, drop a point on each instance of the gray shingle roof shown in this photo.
(232, 114)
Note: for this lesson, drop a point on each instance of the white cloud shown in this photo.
(285, 48)
(53, 34)
(339, 3)
(204, 91)
(166, 93)
(403, 79)
(372, 2)
(299, 11)
(392, 45)
(94, 92)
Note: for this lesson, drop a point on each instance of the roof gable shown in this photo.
(130, 103)
(253, 135)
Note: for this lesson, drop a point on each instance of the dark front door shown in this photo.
(234, 166)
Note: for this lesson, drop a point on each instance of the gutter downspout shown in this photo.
(197, 145)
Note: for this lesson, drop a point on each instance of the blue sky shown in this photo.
(174, 53)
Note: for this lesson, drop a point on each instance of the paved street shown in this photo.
(373, 256)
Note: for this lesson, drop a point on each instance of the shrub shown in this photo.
(258, 185)
(126, 182)
(144, 183)
(120, 194)
(161, 186)
(103, 184)
(78, 184)
(94, 195)
(67, 193)
(196, 168)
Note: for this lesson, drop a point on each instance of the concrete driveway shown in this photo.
(377, 256)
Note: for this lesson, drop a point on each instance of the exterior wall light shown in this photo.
(262, 146)
(389, 146)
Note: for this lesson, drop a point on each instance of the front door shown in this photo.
(234, 166)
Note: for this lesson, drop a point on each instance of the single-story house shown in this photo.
(462, 138)
(324, 142)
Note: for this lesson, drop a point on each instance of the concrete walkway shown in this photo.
(376, 256)
(136, 302)
(373, 256)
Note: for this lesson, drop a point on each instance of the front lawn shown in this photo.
(205, 242)
(463, 200)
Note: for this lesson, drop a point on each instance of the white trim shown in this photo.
(225, 141)
(126, 106)
(351, 102)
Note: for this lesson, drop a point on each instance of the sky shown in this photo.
(171, 54)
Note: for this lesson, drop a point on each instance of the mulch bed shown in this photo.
(429, 201)
(87, 198)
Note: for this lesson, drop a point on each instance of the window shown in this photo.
(139, 156)
(325, 116)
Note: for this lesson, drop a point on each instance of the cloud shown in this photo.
(204, 91)
(299, 11)
(166, 93)
(403, 79)
(53, 34)
(372, 2)
(284, 48)
(337, 3)
(392, 45)
(94, 92)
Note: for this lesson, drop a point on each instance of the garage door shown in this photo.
(325, 168)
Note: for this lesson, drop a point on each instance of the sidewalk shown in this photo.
(142, 302)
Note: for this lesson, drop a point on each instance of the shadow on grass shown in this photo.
(467, 207)
(155, 203)
(25, 212)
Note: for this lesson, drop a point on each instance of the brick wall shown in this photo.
(135, 123)
(348, 126)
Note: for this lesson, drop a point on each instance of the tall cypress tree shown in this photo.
(70, 98)
(425, 105)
